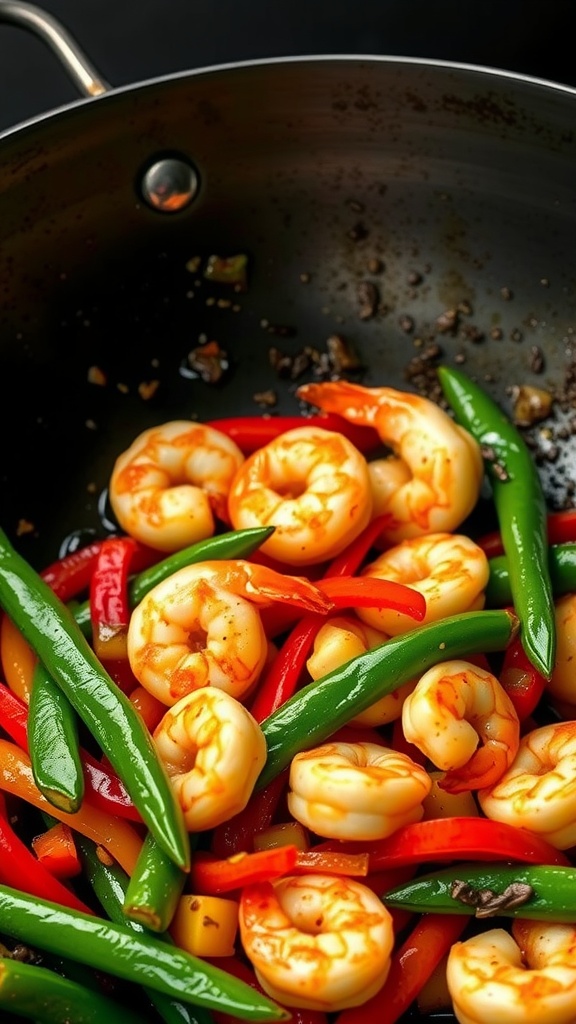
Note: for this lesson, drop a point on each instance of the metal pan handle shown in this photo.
(75, 62)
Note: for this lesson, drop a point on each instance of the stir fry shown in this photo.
(297, 741)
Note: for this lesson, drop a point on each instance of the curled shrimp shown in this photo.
(202, 626)
(449, 569)
(527, 977)
(463, 720)
(167, 486)
(441, 472)
(339, 640)
(538, 791)
(213, 750)
(358, 791)
(312, 485)
(316, 941)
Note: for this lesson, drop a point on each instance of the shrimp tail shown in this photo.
(483, 769)
(352, 401)
(266, 585)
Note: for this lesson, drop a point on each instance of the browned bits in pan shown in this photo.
(209, 361)
(447, 322)
(530, 404)
(368, 299)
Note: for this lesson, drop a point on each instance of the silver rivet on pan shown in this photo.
(170, 184)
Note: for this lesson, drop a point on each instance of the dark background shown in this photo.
(132, 40)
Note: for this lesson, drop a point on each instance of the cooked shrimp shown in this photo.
(315, 941)
(561, 686)
(312, 485)
(213, 751)
(444, 465)
(167, 486)
(538, 792)
(527, 977)
(338, 641)
(454, 707)
(201, 626)
(449, 569)
(357, 791)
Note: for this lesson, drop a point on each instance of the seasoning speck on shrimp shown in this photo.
(213, 751)
(202, 626)
(166, 488)
(436, 466)
(461, 717)
(312, 485)
(358, 791)
(448, 569)
(538, 791)
(315, 941)
(526, 977)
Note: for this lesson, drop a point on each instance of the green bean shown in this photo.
(520, 507)
(154, 889)
(140, 958)
(53, 743)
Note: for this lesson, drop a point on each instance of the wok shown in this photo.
(447, 189)
(420, 210)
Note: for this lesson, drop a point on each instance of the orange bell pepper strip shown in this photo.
(56, 851)
(115, 835)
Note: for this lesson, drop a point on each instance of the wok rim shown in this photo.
(489, 73)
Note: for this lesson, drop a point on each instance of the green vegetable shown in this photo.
(42, 995)
(317, 710)
(520, 507)
(121, 951)
(154, 889)
(51, 631)
(553, 888)
(53, 743)
(110, 885)
(561, 564)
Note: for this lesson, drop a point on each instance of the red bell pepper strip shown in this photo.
(523, 683)
(370, 592)
(238, 832)
(410, 968)
(109, 600)
(282, 678)
(103, 787)
(70, 576)
(349, 561)
(210, 876)
(450, 839)
(253, 432)
(20, 869)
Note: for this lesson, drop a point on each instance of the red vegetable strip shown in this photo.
(20, 869)
(523, 683)
(70, 576)
(253, 432)
(411, 966)
(452, 839)
(210, 876)
(103, 787)
(349, 561)
(237, 833)
(109, 600)
(370, 592)
(353, 865)
(283, 676)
